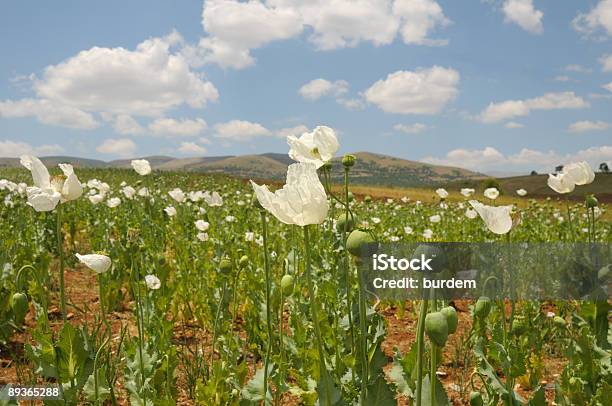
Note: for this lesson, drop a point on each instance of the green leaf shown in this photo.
(326, 389)
(396, 375)
(71, 353)
(538, 398)
(254, 390)
(441, 397)
(380, 394)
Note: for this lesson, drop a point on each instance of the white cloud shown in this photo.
(14, 149)
(410, 128)
(295, 131)
(49, 113)
(598, 18)
(234, 28)
(125, 124)
(490, 158)
(351, 104)
(123, 147)
(147, 81)
(191, 148)
(174, 127)
(562, 78)
(424, 91)
(606, 63)
(584, 126)
(513, 125)
(240, 130)
(577, 68)
(608, 86)
(508, 109)
(523, 13)
(317, 88)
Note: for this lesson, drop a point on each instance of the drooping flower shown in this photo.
(152, 282)
(317, 147)
(141, 166)
(491, 193)
(580, 173)
(48, 191)
(561, 183)
(442, 193)
(521, 192)
(96, 262)
(302, 201)
(496, 218)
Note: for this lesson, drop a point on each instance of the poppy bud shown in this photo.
(287, 285)
(342, 222)
(19, 304)
(482, 307)
(451, 318)
(348, 160)
(476, 399)
(367, 199)
(360, 243)
(243, 262)
(591, 202)
(225, 266)
(436, 328)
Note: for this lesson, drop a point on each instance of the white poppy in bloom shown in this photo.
(301, 201)
(170, 211)
(203, 237)
(435, 218)
(177, 194)
(152, 282)
(230, 219)
(580, 173)
(375, 220)
(129, 192)
(143, 192)
(141, 166)
(405, 199)
(96, 262)
(561, 183)
(427, 233)
(249, 236)
(496, 218)
(48, 191)
(521, 192)
(471, 214)
(95, 199)
(113, 202)
(467, 192)
(442, 193)
(491, 193)
(408, 230)
(317, 147)
(202, 225)
(213, 200)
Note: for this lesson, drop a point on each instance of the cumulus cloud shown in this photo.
(423, 91)
(234, 28)
(317, 88)
(606, 63)
(295, 131)
(523, 13)
(608, 86)
(127, 125)
(191, 148)
(240, 130)
(47, 112)
(351, 104)
(513, 125)
(490, 158)
(180, 128)
(14, 149)
(599, 18)
(122, 147)
(584, 126)
(410, 128)
(508, 109)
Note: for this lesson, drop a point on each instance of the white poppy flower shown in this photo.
(496, 218)
(141, 166)
(435, 218)
(521, 192)
(95, 199)
(48, 191)
(152, 282)
(442, 193)
(375, 220)
(561, 183)
(202, 225)
(427, 233)
(467, 192)
(471, 214)
(129, 192)
(96, 262)
(301, 201)
(177, 194)
(580, 173)
(143, 192)
(213, 200)
(408, 230)
(113, 202)
(230, 219)
(249, 236)
(170, 211)
(202, 237)
(491, 193)
(317, 147)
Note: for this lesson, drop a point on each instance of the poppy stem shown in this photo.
(60, 249)
(420, 348)
(268, 304)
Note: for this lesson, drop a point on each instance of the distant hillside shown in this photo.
(370, 169)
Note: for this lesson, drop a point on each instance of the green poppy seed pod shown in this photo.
(225, 266)
(361, 243)
(19, 304)
(243, 262)
(436, 328)
(476, 399)
(287, 285)
(351, 197)
(348, 160)
(451, 318)
(482, 307)
(591, 202)
(367, 199)
(559, 321)
(341, 222)
(519, 326)
(327, 166)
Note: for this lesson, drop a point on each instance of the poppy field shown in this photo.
(143, 287)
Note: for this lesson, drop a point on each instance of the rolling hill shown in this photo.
(370, 169)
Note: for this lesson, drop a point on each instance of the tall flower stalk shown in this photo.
(264, 226)
(60, 250)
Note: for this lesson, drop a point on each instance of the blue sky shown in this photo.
(504, 85)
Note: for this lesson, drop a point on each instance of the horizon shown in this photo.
(527, 88)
